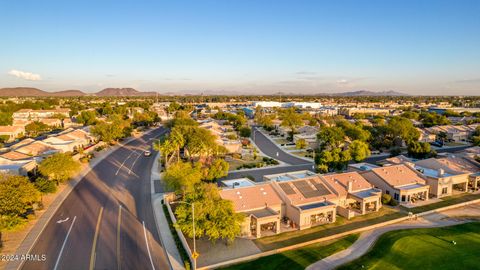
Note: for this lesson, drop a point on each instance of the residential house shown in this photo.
(34, 148)
(70, 140)
(11, 132)
(308, 200)
(448, 174)
(355, 195)
(221, 134)
(454, 133)
(307, 133)
(402, 182)
(29, 114)
(261, 205)
(16, 163)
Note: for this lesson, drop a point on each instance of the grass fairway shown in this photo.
(298, 258)
(424, 249)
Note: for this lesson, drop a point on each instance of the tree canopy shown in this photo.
(215, 218)
(59, 167)
(182, 176)
(17, 195)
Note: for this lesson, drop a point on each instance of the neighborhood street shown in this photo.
(107, 221)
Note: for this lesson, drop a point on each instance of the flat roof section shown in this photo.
(237, 183)
(314, 205)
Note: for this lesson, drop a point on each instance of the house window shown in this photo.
(387, 191)
(395, 196)
(444, 190)
(403, 198)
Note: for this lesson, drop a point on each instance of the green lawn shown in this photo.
(424, 249)
(446, 201)
(297, 258)
(340, 225)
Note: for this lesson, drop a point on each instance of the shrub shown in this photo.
(386, 198)
(9, 223)
(393, 203)
(45, 186)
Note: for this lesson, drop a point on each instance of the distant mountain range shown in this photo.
(130, 92)
(364, 93)
(107, 92)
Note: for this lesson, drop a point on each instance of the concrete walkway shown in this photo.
(368, 238)
(166, 236)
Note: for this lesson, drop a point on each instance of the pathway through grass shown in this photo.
(424, 249)
(298, 258)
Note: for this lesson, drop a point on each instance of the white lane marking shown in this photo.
(148, 247)
(64, 242)
(133, 164)
(121, 166)
(63, 220)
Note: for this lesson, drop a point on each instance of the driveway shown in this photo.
(273, 151)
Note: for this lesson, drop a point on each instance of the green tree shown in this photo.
(182, 177)
(59, 167)
(44, 185)
(6, 118)
(419, 149)
(301, 144)
(476, 136)
(87, 118)
(245, 132)
(400, 128)
(359, 150)
(36, 128)
(17, 195)
(215, 218)
(334, 160)
(330, 137)
(291, 119)
(218, 169)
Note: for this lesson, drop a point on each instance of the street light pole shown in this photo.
(194, 244)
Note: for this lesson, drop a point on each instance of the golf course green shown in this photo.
(454, 247)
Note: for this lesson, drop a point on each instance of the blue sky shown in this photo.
(416, 47)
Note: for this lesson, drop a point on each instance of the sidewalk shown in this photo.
(31, 238)
(166, 237)
(368, 239)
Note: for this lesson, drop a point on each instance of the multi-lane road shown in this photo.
(107, 221)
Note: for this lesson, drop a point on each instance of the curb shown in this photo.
(173, 256)
(279, 147)
(50, 212)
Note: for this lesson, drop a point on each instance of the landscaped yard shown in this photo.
(446, 201)
(340, 225)
(281, 140)
(297, 258)
(424, 249)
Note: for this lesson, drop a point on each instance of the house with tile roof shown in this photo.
(11, 132)
(17, 163)
(261, 204)
(405, 184)
(308, 200)
(70, 140)
(450, 174)
(355, 195)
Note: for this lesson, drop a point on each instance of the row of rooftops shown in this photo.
(303, 189)
(28, 148)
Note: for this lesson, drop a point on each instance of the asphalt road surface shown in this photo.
(294, 163)
(107, 221)
(273, 151)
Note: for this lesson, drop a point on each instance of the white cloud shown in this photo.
(343, 81)
(25, 75)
